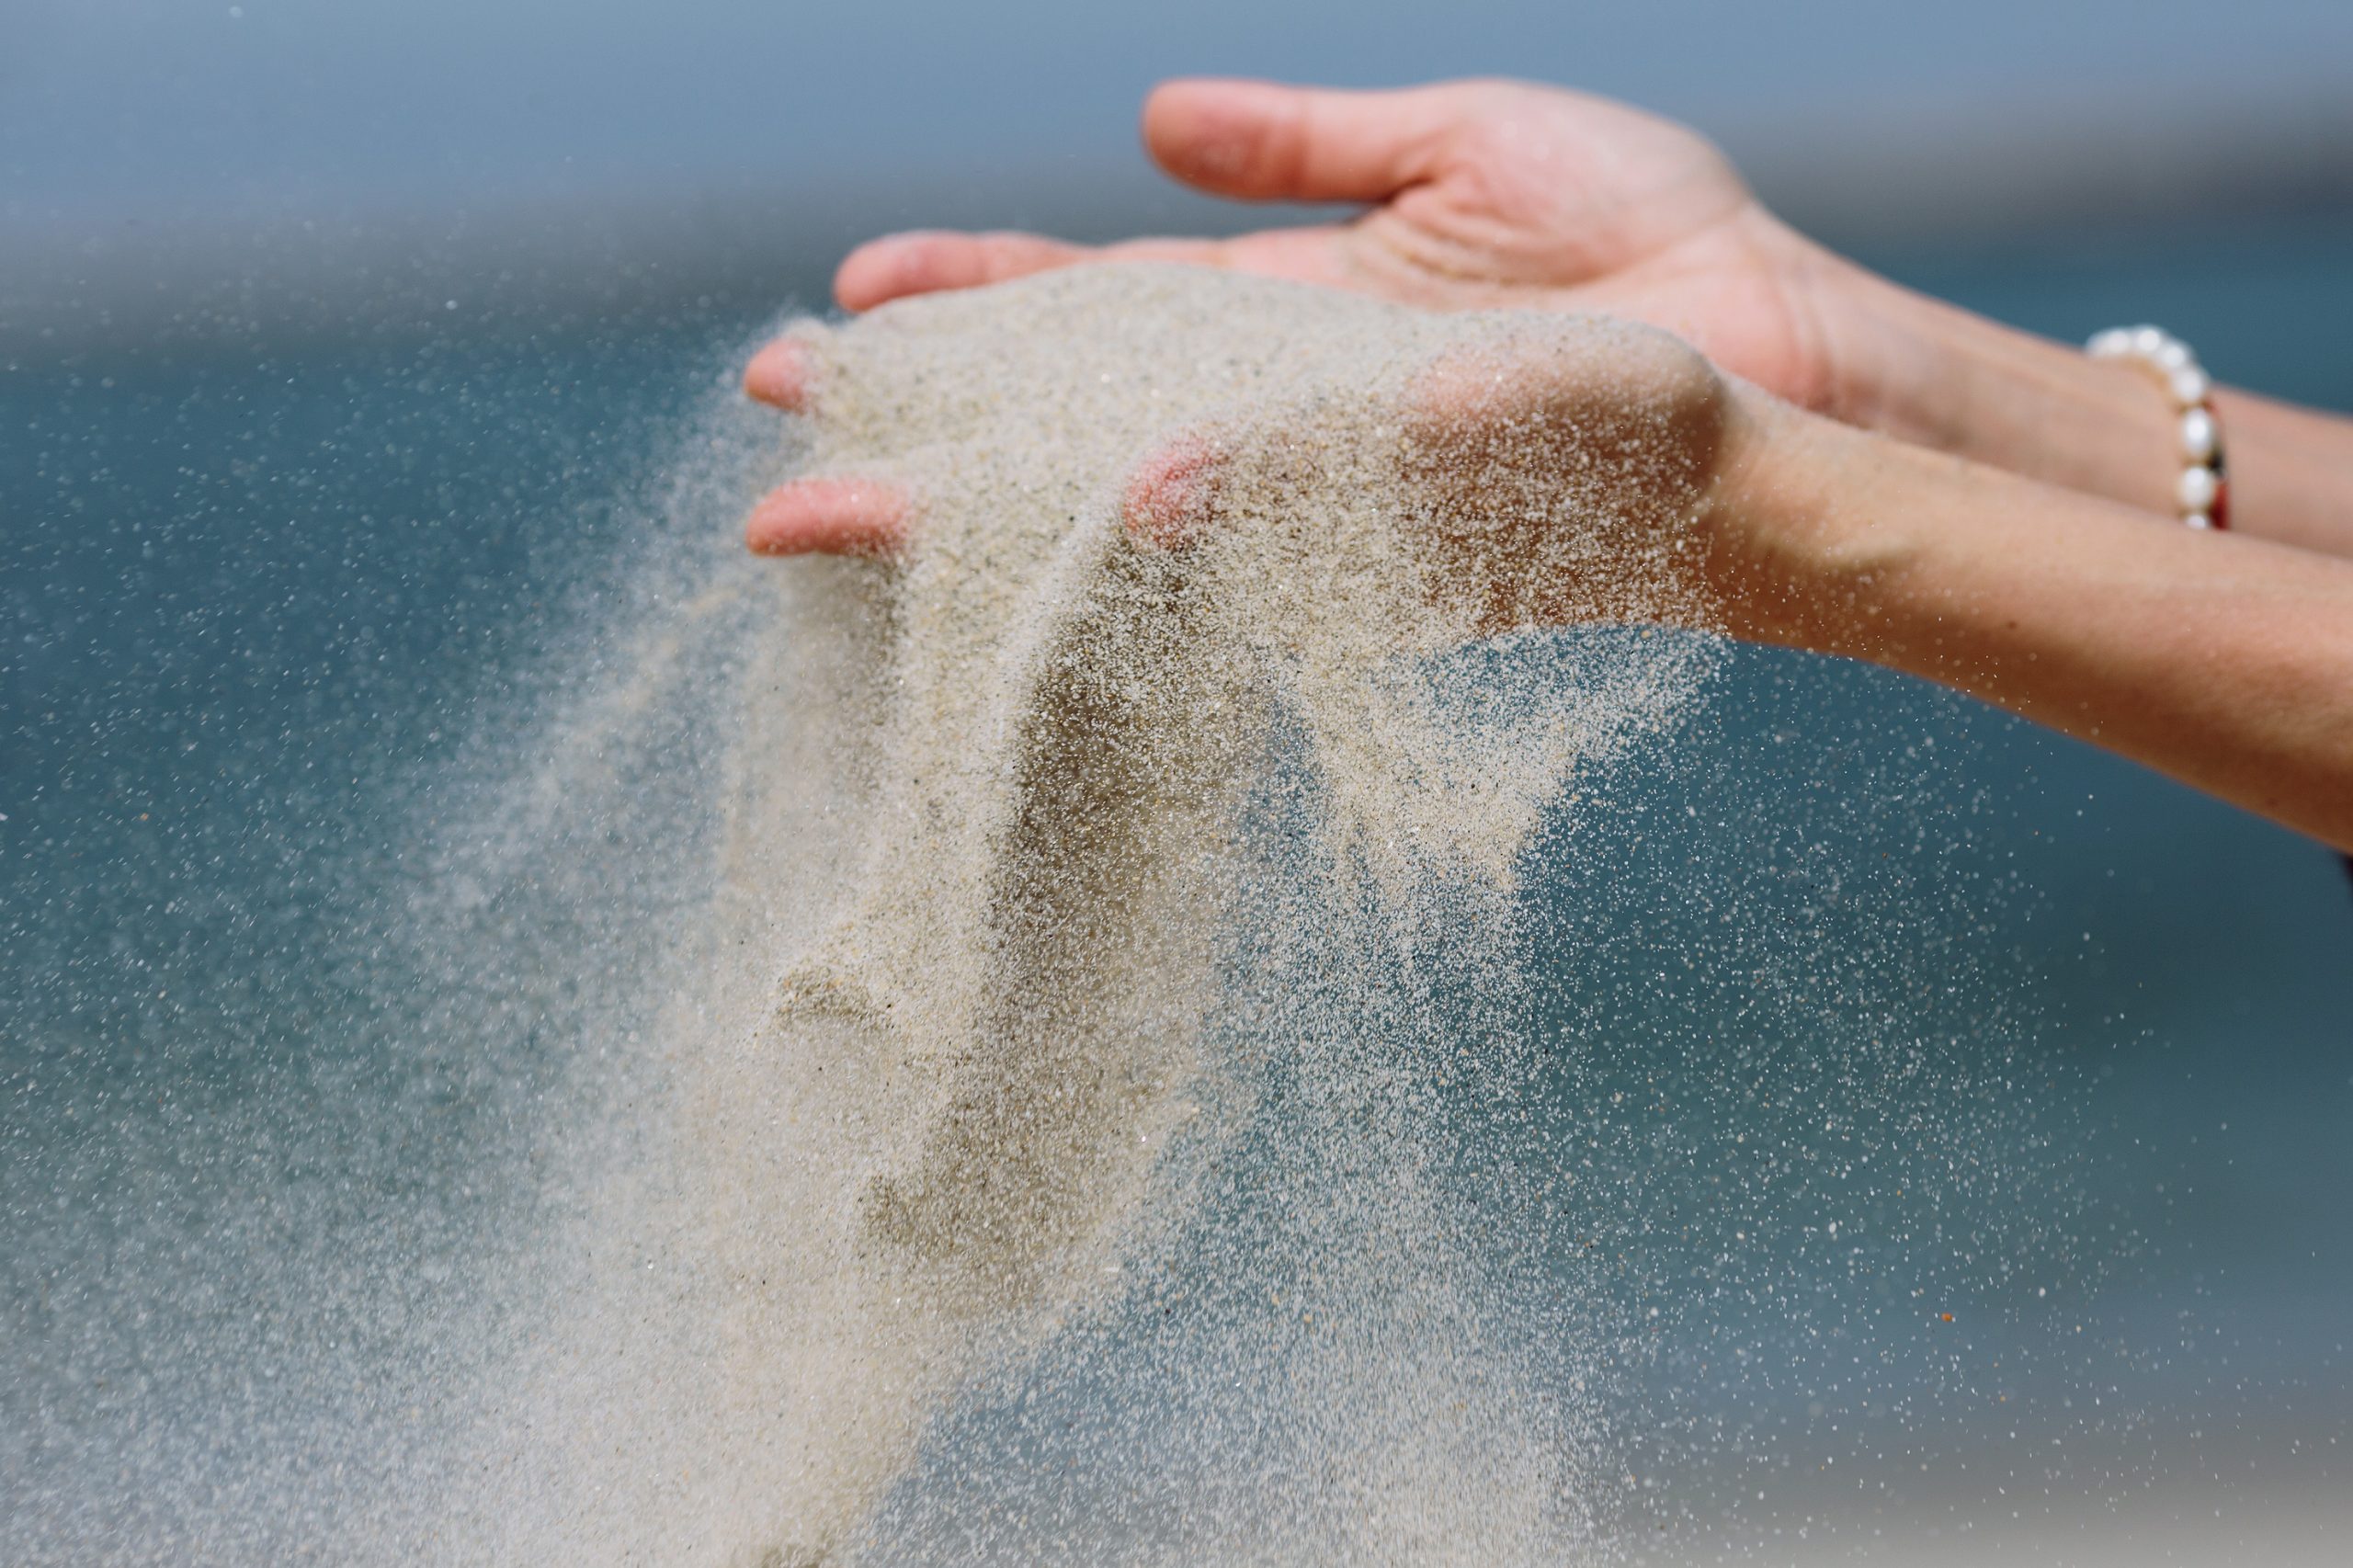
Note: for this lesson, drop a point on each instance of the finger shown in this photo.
(1171, 498)
(829, 516)
(903, 265)
(779, 375)
(900, 265)
(968, 261)
(1264, 141)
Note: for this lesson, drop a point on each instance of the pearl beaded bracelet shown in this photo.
(2203, 492)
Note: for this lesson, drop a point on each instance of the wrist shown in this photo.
(1932, 375)
(1792, 550)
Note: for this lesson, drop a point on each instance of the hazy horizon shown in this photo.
(167, 164)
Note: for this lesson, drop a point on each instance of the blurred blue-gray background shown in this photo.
(341, 342)
(182, 163)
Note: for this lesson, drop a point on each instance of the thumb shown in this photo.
(1264, 141)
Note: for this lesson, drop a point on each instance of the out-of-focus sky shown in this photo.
(127, 125)
(166, 108)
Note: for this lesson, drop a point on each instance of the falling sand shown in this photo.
(1115, 905)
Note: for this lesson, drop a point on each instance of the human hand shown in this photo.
(1561, 472)
(1490, 195)
(1541, 468)
(1485, 195)
(1505, 194)
(1526, 470)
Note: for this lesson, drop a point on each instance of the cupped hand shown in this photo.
(1564, 469)
(1577, 472)
(1482, 194)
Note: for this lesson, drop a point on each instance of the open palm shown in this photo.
(1480, 195)
(1484, 195)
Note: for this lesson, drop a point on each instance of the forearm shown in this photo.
(1930, 373)
(2226, 662)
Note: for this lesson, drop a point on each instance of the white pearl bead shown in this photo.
(2198, 436)
(2190, 386)
(2113, 344)
(2147, 341)
(2197, 489)
(2199, 520)
(2174, 355)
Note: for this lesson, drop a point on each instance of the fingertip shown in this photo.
(1166, 107)
(1206, 130)
(1269, 140)
(1171, 498)
(927, 262)
(767, 531)
(829, 516)
(764, 533)
(880, 270)
(778, 376)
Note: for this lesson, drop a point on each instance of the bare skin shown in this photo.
(1500, 194)
(2224, 662)
(2049, 589)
